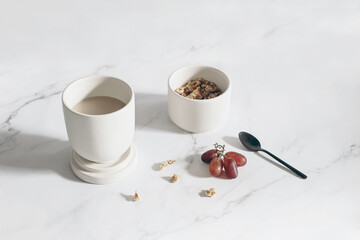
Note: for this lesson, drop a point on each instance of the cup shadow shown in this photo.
(36, 154)
(151, 113)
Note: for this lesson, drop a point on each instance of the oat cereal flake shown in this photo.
(211, 192)
(166, 163)
(174, 178)
(136, 196)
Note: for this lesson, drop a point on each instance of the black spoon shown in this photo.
(251, 143)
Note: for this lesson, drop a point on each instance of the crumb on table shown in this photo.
(171, 161)
(136, 196)
(174, 178)
(211, 192)
(166, 163)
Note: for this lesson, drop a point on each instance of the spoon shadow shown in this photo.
(269, 160)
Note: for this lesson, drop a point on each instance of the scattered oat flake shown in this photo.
(166, 163)
(136, 196)
(210, 192)
(163, 165)
(171, 161)
(174, 178)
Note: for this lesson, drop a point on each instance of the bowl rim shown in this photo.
(227, 90)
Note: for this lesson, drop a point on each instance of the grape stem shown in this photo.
(220, 149)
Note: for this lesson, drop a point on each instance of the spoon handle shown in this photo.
(297, 172)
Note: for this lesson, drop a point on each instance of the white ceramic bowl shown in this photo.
(195, 115)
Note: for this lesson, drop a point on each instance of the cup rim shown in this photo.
(200, 100)
(97, 115)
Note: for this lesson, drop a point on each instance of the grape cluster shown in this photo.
(220, 161)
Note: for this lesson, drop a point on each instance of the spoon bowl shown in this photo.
(249, 141)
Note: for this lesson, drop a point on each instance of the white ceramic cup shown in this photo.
(105, 137)
(195, 115)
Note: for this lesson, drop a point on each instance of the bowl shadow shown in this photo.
(235, 142)
(152, 113)
(35, 154)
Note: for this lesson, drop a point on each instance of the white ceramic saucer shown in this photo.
(104, 173)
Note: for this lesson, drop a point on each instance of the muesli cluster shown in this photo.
(199, 88)
(136, 196)
(211, 192)
(166, 163)
(174, 178)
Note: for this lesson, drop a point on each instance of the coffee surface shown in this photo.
(98, 105)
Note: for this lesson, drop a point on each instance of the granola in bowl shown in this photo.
(199, 88)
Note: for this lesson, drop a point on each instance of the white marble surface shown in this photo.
(295, 69)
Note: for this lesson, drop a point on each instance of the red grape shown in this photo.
(239, 158)
(208, 155)
(230, 167)
(216, 166)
